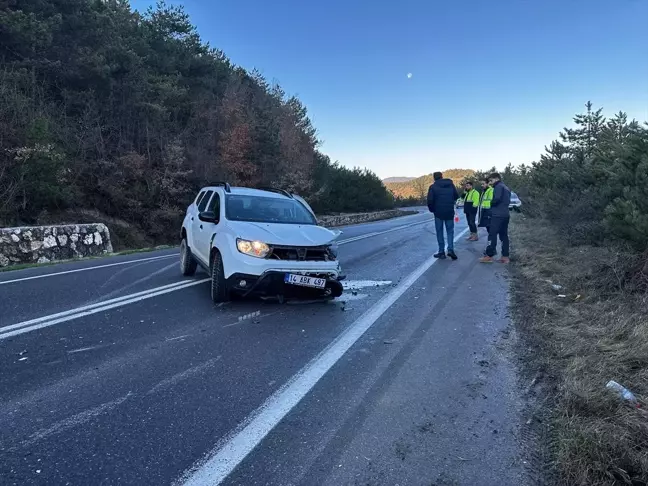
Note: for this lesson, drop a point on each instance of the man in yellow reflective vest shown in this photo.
(484, 215)
(471, 206)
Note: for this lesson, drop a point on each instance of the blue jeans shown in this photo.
(449, 226)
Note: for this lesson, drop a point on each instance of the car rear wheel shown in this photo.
(219, 291)
(188, 263)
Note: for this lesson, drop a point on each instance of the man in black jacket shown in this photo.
(442, 198)
(499, 220)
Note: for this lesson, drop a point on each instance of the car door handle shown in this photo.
(201, 226)
(192, 218)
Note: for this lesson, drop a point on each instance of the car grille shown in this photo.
(304, 254)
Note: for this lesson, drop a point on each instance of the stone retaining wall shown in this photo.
(347, 219)
(43, 244)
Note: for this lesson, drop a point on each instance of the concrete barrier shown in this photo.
(43, 244)
(348, 219)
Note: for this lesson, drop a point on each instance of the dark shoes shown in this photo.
(441, 255)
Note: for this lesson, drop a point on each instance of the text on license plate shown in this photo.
(304, 281)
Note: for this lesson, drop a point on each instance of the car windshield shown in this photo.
(261, 209)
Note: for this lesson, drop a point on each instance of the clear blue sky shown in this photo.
(492, 81)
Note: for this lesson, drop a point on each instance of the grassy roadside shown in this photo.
(576, 337)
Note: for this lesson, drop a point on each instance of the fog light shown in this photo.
(243, 284)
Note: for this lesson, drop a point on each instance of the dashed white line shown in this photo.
(177, 378)
(229, 453)
(73, 421)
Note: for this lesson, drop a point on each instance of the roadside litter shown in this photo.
(623, 392)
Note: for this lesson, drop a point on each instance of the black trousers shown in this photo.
(498, 228)
(471, 214)
(484, 218)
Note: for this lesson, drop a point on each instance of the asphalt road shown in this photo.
(120, 371)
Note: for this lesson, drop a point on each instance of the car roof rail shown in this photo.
(278, 191)
(222, 184)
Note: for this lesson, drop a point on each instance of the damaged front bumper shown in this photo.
(272, 284)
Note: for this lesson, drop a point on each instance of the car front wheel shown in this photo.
(188, 263)
(219, 290)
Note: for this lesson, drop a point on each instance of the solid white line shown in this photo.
(87, 269)
(87, 307)
(235, 447)
(97, 308)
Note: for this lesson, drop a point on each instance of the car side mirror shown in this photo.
(208, 217)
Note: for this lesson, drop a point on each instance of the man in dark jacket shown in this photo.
(441, 200)
(499, 220)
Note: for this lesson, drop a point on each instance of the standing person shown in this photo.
(499, 220)
(471, 205)
(484, 216)
(442, 198)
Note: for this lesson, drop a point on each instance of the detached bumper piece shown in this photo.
(272, 285)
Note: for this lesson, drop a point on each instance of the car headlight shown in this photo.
(253, 248)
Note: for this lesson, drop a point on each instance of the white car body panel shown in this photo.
(202, 237)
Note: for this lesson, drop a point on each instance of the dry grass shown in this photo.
(596, 333)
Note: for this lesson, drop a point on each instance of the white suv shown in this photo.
(259, 241)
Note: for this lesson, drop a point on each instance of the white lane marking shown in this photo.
(378, 233)
(138, 281)
(361, 284)
(88, 268)
(89, 348)
(88, 307)
(73, 421)
(177, 337)
(22, 327)
(351, 297)
(236, 446)
(177, 378)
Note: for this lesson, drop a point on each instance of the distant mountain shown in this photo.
(397, 179)
(417, 187)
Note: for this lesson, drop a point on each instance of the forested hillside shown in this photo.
(415, 190)
(109, 114)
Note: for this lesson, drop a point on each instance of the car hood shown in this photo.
(284, 234)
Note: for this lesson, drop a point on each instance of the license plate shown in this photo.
(304, 281)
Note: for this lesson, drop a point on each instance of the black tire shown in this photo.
(219, 291)
(188, 263)
(336, 289)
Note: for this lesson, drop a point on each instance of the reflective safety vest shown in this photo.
(486, 198)
(472, 196)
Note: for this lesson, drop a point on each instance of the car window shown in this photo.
(199, 198)
(261, 209)
(203, 202)
(214, 205)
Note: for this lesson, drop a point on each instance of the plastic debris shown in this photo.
(556, 287)
(622, 391)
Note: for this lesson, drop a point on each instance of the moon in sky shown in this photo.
(409, 75)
